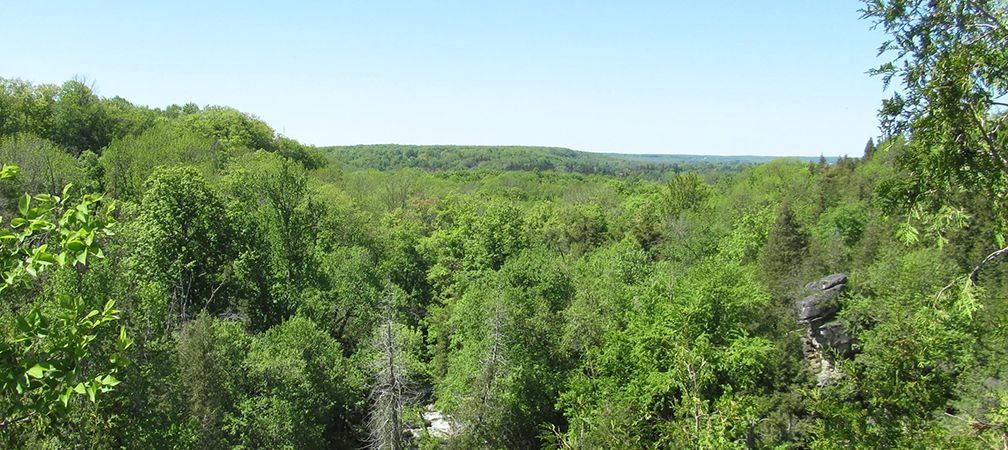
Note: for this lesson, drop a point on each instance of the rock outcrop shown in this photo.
(825, 337)
(436, 424)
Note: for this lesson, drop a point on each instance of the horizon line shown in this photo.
(598, 152)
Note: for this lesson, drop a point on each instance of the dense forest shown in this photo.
(186, 277)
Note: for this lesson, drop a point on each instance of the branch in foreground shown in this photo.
(974, 275)
(8, 422)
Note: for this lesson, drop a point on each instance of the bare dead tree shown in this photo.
(494, 361)
(493, 369)
(390, 392)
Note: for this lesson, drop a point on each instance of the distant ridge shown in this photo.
(745, 159)
(527, 158)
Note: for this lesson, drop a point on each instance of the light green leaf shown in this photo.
(65, 397)
(46, 257)
(36, 371)
(23, 204)
(9, 171)
(75, 245)
(110, 380)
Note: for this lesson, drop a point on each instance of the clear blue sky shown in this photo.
(784, 77)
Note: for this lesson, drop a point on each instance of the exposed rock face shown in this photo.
(825, 337)
(820, 305)
(436, 424)
(827, 282)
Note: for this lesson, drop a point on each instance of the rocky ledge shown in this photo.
(825, 338)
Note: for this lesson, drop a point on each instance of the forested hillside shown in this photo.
(459, 157)
(186, 277)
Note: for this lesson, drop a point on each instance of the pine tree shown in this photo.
(869, 148)
(785, 250)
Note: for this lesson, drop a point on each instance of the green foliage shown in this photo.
(678, 374)
(127, 163)
(48, 231)
(309, 157)
(453, 158)
(506, 364)
(186, 243)
(783, 254)
(308, 394)
(290, 387)
(604, 280)
(473, 237)
(536, 297)
(232, 128)
(45, 360)
(44, 167)
(46, 351)
(25, 108)
(78, 121)
(208, 351)
(949, 60)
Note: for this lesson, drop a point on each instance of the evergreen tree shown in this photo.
(783, 254)
(869, 148)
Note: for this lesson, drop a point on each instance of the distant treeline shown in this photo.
(510, 158)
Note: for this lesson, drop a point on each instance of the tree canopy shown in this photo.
(186, 277)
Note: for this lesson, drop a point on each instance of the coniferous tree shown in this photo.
(783, 254)
(869, 148)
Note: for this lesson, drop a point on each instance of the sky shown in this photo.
(732, 77)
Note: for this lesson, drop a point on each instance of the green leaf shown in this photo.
(22, 325)
(36, 371)
(75, 245)
(80, 389)
(110, 380)
(9, 171)
(907, 234)
(23, 204)
(39, 224)
(65, 397)
(46, 257)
